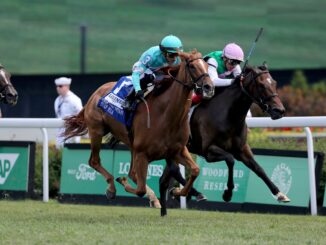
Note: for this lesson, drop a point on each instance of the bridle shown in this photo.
(3, 92)
(4, 88)
(194, 80)
(261, 101)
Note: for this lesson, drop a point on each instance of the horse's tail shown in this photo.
(75, 125)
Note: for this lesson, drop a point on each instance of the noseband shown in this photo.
(261, 101)
(194, 81)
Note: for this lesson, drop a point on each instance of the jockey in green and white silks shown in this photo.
(163, 55)
(223, 67)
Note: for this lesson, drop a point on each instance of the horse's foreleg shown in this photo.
(248, 159)
(95, 162)
(185, 158)
(215, 154)
(164, 185)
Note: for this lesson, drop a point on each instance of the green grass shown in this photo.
(34, 222)
(43, 36)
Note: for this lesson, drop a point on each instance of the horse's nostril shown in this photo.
(278, 111)
(207, 87)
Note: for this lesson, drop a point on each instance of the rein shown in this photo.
(261, 101)
(194, 84)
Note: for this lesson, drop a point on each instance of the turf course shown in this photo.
(34, 222)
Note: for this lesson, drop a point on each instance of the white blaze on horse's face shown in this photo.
(207, 94)
(269, 81)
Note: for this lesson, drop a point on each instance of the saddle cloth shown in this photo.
(112, 103)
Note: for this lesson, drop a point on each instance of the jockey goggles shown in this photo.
(171, 55)
(233, 62)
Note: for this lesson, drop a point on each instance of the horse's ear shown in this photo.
(181, 55)
(265, 65)
(248, 68)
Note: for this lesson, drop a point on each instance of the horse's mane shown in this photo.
(250, 68)
(163, 85)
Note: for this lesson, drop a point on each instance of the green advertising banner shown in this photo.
(212, 180)
(287, 169)
(15, 165)
(77, 177)
(289, 174)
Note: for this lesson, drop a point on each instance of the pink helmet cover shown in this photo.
(233, 51)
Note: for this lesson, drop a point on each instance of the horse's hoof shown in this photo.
(282, 197)
(163, 212)
(141, 194)
(110, 195)
(200, 197)
(227, 196)
(121, 180)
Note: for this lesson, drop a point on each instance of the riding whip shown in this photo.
(252, 48)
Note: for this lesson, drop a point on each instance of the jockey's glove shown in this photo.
(239, 77)
(139, 94)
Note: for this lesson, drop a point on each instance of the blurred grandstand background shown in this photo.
(43, 37)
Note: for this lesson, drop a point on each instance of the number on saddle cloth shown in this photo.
(112, 103)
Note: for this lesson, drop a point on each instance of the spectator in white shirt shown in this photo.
(66, 104)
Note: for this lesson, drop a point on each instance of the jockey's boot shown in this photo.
(128, 101)
(196, 99)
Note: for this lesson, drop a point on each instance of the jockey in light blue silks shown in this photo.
(163, 55)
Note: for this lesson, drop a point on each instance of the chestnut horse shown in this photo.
(8, 93)
(219, 130)
(168, 132)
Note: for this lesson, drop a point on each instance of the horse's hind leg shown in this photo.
(95, 162)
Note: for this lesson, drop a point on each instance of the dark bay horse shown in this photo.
(219, 130)
(8, 93)
(168, 132)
